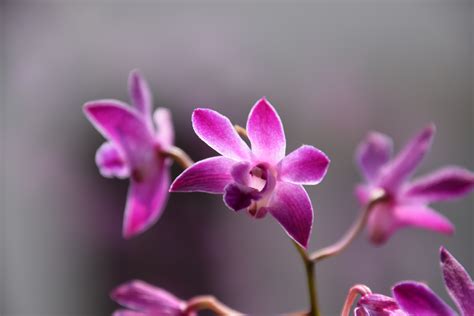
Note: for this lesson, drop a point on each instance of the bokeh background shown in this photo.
(334, 70)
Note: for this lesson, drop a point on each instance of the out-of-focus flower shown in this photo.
(259, 180)
(142, 299)
(134, 149)
(415, 298)
(405, 203)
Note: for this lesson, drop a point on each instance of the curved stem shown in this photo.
(311, 280)
(210, 303)
(350, 235)
(178, 155)
(358, 289)
(241, 131)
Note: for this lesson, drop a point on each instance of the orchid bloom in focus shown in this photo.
(405, 203)
(260, 180)
(415, 298)
(134, 149)
(142, 299)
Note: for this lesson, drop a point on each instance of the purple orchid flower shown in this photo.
(142, 299)
(414, 298)
(261, 180)
(405, 203)
(133, 150)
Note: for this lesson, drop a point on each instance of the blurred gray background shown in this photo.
(334, 70)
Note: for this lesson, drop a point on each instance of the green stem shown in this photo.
(309, 266)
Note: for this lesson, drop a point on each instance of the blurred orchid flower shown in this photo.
(260, 179)
(134, 149)
(142, 299)
(405, 203)
(414, 298)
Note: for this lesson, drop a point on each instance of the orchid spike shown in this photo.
(415, 298)
(406, 203)
(260, 180)
(142, 299)
(135, 142)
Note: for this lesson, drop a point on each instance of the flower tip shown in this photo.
(430, 128)
(443, 254)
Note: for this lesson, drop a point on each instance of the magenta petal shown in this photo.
(402, 166)
(238, 197)
(291, 207)
(458, 282)
(305, 165)
(378, 305)
(140, 93)
(218, 132)
(385, 219)
(146, 199)
(444, 184)
(265, 132)
(362, 193)
(421, 216)
(382, 223)
(210, 175)
(124, 127)
(111, 162)
(372, 153)
(164, 125)
(417, 299)
(143, 297)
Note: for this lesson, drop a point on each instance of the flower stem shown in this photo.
(358, 289)
(178, 155)
(350, 235)
(309, 266)
(241, 131)
(207, 302)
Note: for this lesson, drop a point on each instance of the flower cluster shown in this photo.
(262, 179)
(415, 298)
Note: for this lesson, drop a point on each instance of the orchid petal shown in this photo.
(143, 297)
(238, 197)
(266, 133)
(147, 197)
(140, 93)
(458, 282)
(385, 219)
(210, 175)
(444, 184)
(124, 127)
(291, 207)
(305, 165)
(378, 305)
(111, 162)
(421, 216)
(403, 165)
(164, 124)
(241, 173)
(372, 153)
(417, 299)
(217, 131)
(382, 223)
(362, 193)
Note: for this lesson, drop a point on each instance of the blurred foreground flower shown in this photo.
(405, 203)
(414, 298)
(134, 149)
(143, 299)
(259, 180)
